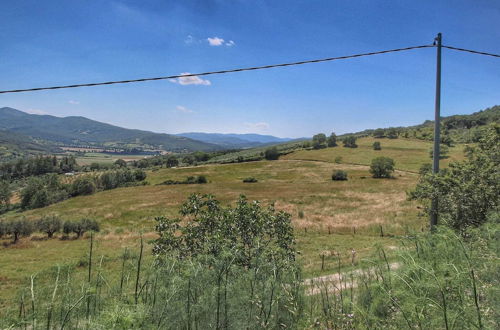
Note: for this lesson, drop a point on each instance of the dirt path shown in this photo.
(337, 281)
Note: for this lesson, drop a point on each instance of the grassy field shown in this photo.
(330, 217)
(98, 157)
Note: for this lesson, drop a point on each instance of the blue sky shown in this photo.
(65, 42)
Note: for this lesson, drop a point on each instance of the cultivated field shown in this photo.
(330, 217)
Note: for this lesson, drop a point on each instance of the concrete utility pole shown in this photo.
(437, 127)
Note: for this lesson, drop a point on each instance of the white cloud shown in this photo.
(191, 80)
(189, 40)
(73, 102)
(230, 43)
(215, 41)
(180, 108)
(261, 126)
(36, 112)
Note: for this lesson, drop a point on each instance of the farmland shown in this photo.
(328, 216)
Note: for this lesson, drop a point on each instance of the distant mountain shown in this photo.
(236, 140)
(81, 131)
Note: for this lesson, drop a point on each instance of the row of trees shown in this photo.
(320, 141)
(49, 225)
(48, 189)
(38, 165)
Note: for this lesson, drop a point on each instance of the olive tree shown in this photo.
(5, 193)
(349, 142)
(319, 141)
(18, 228)
(272, 153)
(377, 146)
(49, 224)
(332, 140)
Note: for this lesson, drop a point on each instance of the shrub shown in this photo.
(120, 163)
(140, 175)
(339, 175)
(201, 179)
(18, 228)
(338, 159)
(349, 142)
(172, 161)
(83, 185)
(382, 167)
(392, 133)
(377, 146)
(271, 153)
(250, 179)
(425, 169)
(49, 224)
(5, 193)
(301, 214)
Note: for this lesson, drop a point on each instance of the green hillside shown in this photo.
(81, 130)
(14, 145)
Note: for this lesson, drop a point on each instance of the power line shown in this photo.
(216, 72)
(472, 51)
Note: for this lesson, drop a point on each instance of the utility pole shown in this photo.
(437, 127)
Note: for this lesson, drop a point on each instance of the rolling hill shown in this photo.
(81, 130)
(235, 140)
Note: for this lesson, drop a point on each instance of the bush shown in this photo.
(338, 159)
(377, 146)
(83, 185)
(250, 179)
(271, 153)
(18, 228)
(5, 193)
(339, 175)
(382, 167)
(349, 142)
(201, 179)
(120, 163)
(172, 161)
(49, 224)
(332, 140)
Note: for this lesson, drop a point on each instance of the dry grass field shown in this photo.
(330, 217)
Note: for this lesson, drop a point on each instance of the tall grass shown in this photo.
(437, 281)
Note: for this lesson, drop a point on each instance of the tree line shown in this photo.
(39, 165)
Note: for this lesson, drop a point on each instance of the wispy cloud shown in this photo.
(191, 80)
(260, 126)
(189, 40)
(36, 112)
(215, 41)
(181, 108)
(230, 43)
(73, 102)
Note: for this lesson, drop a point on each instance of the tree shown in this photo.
(18, 228)
(379, 133)
(467, 191)
(248, 230)
(5, 193)
(81, 226)
(272, 153)
(172, 161)
(95, 166)
(120, 163)
(188, 159)
(140, 175)
(83, 185)
(349, 142)
(382, 167)
(377, 146)
(49, 224)
(392, 133)
(319, 141)
(339, 175)
(332, 140)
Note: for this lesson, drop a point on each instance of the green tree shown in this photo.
(377, 146)
(467, 191)
(382, 167)
(83, 185)
(249, 231)
(18, 228)
(332, 140)
(319, 141)
(272, 153)
(49, 224)
(5, 193)
(392, 133)
(379, 133)
(172, 161)
(188, 159)
(120, 163)
(443, 152)
(349, 142)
